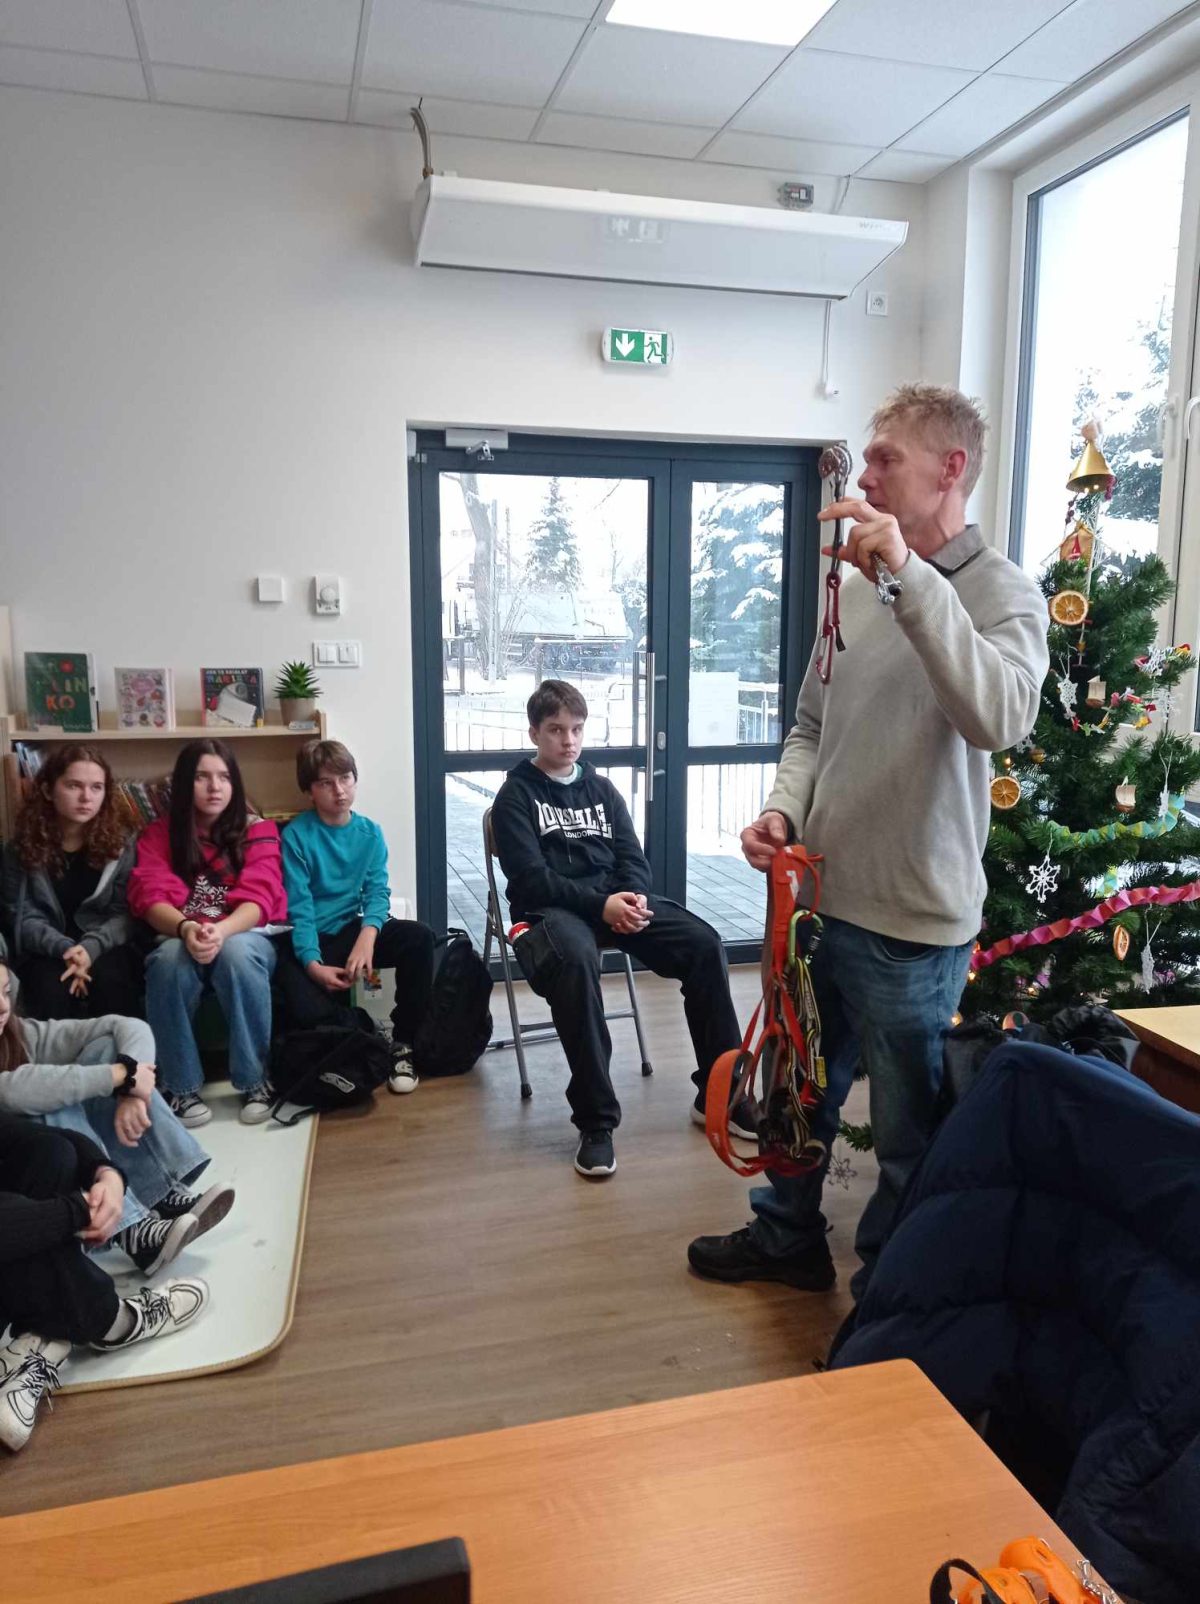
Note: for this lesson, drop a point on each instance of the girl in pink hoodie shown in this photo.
(207, 879)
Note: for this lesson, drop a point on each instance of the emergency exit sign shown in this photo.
(647, 348)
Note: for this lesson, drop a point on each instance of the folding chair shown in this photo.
(544, 1030)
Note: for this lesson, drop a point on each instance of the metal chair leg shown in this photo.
(647, 1066)
(518, 1045)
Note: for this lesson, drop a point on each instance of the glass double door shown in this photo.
(671, 587)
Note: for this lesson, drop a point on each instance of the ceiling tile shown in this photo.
(614, 133)
(973, 36)
(848, 99)
(984, 109)
(57, 69)
(562, 8)
(1085, 35)
(665, 77)
(101, 27)
(387, 110)
(905, 167)
(799, 156)
(228, 91)
(311, 39)
(467, 52)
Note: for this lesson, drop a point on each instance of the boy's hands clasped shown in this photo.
(626, 912)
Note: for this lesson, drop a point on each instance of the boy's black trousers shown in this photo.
(402, 945)
(560, 957)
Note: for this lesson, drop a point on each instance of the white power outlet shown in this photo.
(877, 303)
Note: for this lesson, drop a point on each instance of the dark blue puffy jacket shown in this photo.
(1045, 1265)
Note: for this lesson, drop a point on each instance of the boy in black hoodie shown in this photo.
(577, 875)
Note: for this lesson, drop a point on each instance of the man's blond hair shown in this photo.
(942, 418)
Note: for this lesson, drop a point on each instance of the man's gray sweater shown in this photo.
(886, 771)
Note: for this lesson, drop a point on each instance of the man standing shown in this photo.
(886, 774)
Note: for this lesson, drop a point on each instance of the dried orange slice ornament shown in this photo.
(1006, 792)
(1121, 943)
(1069, 607)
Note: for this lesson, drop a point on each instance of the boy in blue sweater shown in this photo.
(335, 871)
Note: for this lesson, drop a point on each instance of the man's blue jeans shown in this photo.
(887, 1003)
(240, 975)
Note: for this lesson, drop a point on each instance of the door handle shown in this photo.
(652, 679)
(1193, 403)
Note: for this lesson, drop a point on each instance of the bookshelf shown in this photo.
(266, 757)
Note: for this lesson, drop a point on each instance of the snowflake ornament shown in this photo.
(1155, 661)
(1067, 692)
(1043, 879)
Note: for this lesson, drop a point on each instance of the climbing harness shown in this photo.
(788, 1050)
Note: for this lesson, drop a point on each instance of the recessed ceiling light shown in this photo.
(768, 22)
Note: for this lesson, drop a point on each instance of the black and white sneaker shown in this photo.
(152, 1242)
(403, 1077)
(157, 1313)
(209, 1208)
(595, 1158)
(743, 1118)
(256, 1104)
(29, 1371)
(189, 1108)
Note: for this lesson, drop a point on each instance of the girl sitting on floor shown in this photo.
(96, 1077)
(206, 878)
(65, 875)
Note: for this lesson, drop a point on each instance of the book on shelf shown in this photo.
(145, 698)
(233, 697)
(144, 800)
(29, 759)
(60, 692)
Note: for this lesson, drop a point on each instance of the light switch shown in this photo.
(337, 653)
(270, 588)
(324, 652)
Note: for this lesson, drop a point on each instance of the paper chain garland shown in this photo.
(1064, 840)
(1139, 896)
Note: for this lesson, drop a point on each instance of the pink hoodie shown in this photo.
(261, 881)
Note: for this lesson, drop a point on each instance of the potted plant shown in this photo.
(297, 690)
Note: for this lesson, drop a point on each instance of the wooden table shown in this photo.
(1169, 1058)
(844, 1488)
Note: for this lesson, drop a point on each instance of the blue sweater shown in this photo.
(333, 873)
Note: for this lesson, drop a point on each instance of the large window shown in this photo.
(1101, 250)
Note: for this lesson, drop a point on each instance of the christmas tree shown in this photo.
(554, 551)
(1093, 866)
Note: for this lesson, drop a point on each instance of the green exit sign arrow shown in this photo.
(647, 348)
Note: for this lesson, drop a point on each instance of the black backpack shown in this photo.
(329, 1067)
(458, 1025)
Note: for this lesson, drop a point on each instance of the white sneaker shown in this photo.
(158, 1311)
(256, 1104)
(403, 1077)
(32, 1373)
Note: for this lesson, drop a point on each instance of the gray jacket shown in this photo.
(36, 918)
(54, 1077)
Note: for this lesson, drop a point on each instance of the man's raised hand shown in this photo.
(872, 534)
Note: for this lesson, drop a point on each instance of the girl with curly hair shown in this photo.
(65, 877)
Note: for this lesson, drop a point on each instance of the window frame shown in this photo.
(1106, 139)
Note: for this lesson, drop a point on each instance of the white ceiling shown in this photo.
(891, 89)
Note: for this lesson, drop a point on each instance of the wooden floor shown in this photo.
(458, 1276)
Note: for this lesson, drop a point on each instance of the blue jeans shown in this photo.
(889, 1003)
(240, 975)
(167, 1155)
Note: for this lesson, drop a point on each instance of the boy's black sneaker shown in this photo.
(739, 1258)
(595, 1157)
(743, 1118)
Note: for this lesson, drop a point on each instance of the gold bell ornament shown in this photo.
(1091, 472)
(1095, 692)
(1126, 797)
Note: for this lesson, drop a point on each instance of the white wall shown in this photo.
(212, 341)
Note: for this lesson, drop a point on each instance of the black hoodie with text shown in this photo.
(565, 845)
